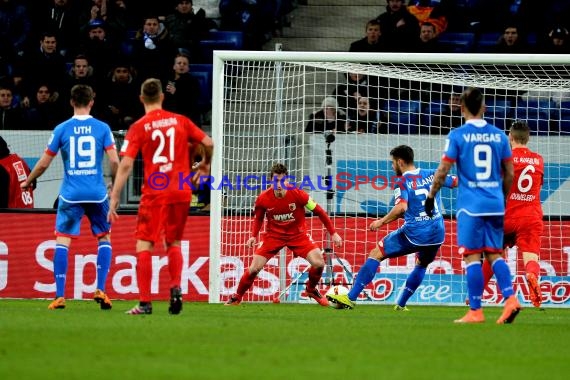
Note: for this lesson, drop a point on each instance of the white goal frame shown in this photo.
(218, 122)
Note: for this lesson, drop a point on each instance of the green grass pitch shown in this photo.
(277, 341)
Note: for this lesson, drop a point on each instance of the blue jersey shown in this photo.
(413, 189)
(478, 149)
(83, 141)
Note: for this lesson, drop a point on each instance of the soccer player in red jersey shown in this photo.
(163, 139)
(523, 214)
(284, 208)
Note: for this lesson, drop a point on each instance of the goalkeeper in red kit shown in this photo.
(523, 213)
(284, 206)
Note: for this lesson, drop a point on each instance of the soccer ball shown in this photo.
(336, 290)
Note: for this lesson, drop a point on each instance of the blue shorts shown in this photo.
(396, 244)
(69, 215)
(477, 234)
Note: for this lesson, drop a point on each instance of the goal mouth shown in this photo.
(266, 109)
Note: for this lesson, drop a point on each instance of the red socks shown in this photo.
(315, 275)
(533, 267)
(174, 265)
(245, 283)
(144, 275)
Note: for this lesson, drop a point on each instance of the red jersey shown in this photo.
(163, 137)
(285, 216)
(18, 172)
(524, 197)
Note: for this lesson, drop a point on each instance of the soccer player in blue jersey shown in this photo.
(483, 157)
(420, 234)
(83, 140)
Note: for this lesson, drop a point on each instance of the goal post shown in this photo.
(261, 106)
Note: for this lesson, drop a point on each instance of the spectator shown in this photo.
(152, 49)
(511, 42)
(182, 91)
(43, 113)
(255, 18)
(372, 43)
(13, 171)
(450, 117)
(100, 50)
(15, 25)
(113, 14)
(81, 72)
(328, 118)
(428, 41)
(425, 12)
(364, 119)
(61, 20)
(399, 28)
(43, 64)
(11, 116)
(347, 95)
(121, 102)
(187, 28)
(557, 42)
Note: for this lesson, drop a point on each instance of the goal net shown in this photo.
(268, 108)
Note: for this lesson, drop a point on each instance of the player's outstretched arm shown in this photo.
(259, 214)
(123, 172)
(202, 168)
(41, 166)
(113, 162)
(396, 212)
(325, 220)
(438, 181)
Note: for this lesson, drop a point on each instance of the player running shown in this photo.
(523, 214)
(83, 140)
(485, 170)
(284, 208)
(420, 234)
(162, 137)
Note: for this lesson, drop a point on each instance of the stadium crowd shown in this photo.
(441, 26)
(47, 46)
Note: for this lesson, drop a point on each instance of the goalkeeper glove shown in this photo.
(429, 206)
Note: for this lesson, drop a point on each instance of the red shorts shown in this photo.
(523, 233)
(154, 220)
(300, 244)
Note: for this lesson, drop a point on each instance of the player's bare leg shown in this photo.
(315, 258)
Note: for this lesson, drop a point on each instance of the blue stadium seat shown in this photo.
(498, 113)
(203, 72)
(220, 40)
(458, 42)
(487, 42)
(537, 114)
(403, 116)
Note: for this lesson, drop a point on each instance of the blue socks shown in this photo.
(414, 280)
(503, 276)
(104, 254)
(475, 284)
(60, 269)
(364, 277)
